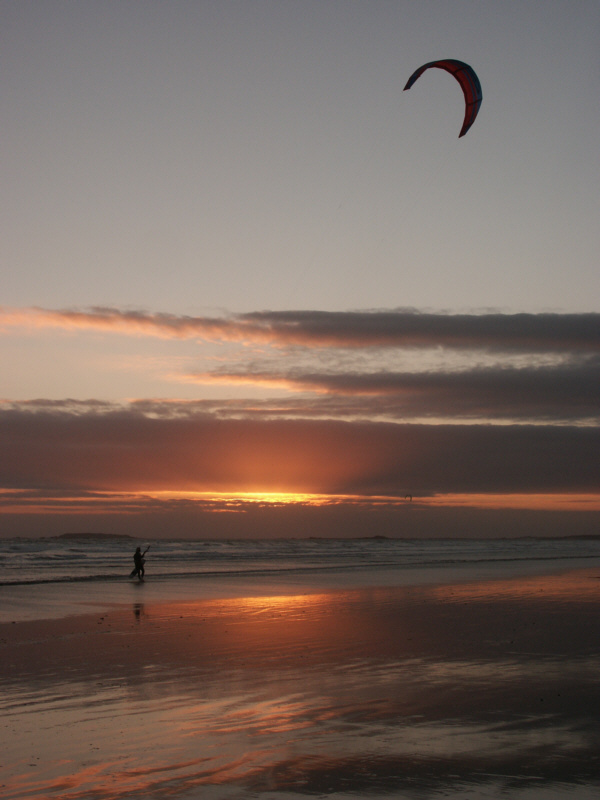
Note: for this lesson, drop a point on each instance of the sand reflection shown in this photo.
(369, 693)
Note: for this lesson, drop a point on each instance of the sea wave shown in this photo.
(30, 562)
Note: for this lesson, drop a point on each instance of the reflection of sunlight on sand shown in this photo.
(257, 717)
(115, 779)
(377, 693)
(245, 735)
(244, 738)
(292, 605)
(111, 744)
(281, 603)
(582, 584)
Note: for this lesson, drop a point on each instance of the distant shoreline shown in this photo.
(93, 536)
(84, 536)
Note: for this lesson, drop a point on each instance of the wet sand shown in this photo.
(467, 690)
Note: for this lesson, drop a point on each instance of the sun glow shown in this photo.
(135, 502)
(244, 498)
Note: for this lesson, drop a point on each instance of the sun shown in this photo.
(258, 498)
(277, 498)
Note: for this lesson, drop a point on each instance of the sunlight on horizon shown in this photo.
(134, 502)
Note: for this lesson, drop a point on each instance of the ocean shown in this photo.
(95, 558)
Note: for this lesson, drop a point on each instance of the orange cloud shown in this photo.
(533, 501)
(399, 328)
(247, 379)
(40, 502)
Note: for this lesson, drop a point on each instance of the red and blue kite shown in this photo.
(469, 83)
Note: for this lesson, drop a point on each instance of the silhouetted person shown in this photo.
(139, 561)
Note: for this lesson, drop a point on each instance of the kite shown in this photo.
(469, 83)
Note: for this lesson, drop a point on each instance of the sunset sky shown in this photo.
(251, 287)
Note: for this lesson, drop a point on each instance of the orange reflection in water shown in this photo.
(123, 777)
(241, 610)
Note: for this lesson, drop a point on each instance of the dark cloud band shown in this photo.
(126, 450)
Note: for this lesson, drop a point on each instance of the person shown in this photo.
(139, 561)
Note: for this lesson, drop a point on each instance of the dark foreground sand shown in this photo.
(470, 690)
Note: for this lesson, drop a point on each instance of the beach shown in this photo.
(462, 688)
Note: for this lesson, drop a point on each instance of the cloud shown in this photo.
(343, 389)
(564, 391)
(546, 332)
(411, 328)
(124, 449)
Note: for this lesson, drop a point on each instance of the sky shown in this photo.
(251, 287)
